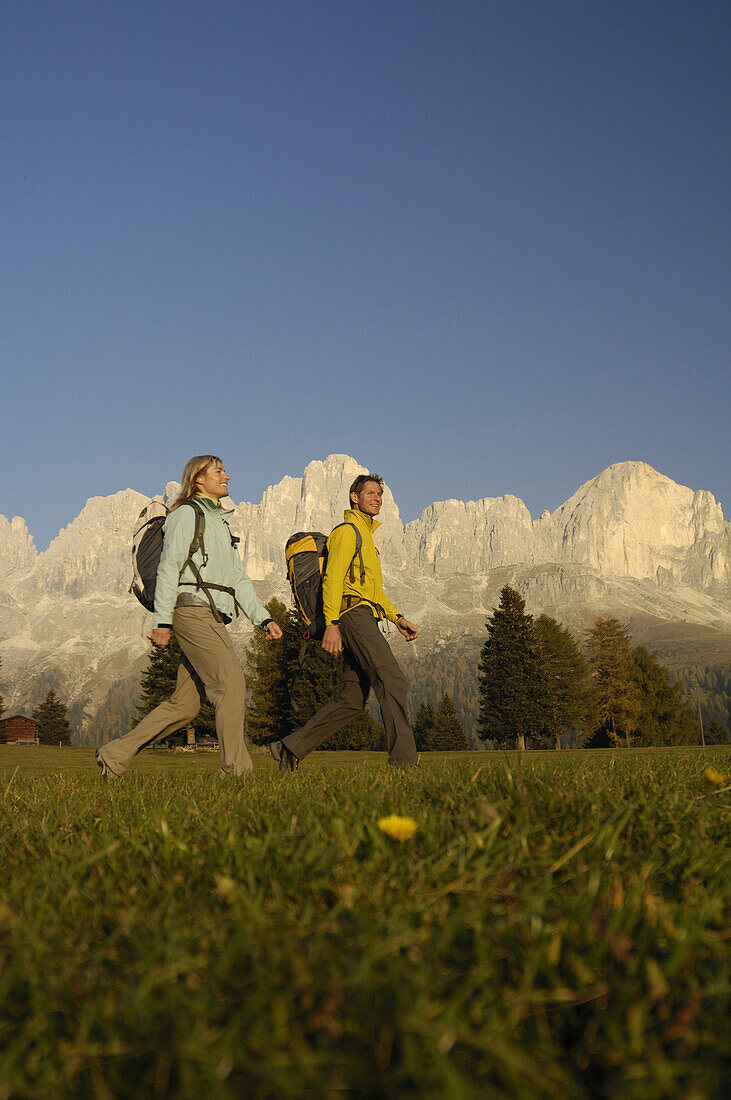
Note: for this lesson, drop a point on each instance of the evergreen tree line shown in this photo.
(536, 686)
(710, 686)
(538, 689)
(448, 669)
(439, 730)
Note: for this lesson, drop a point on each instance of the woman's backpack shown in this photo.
(147, 548)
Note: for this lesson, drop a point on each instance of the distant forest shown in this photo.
(713, 691)
(452, 667)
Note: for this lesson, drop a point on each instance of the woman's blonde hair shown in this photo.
(194, 467)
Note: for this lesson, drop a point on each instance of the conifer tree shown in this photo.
(54, 728)
(616, 691)
(665, 718)
(158, 684)
(566, 702)
(311, 684)
(268, 714)
(716, 734)
(511, 676)
(448, 734)
(424, 727)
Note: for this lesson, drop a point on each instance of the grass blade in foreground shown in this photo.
(554, 927)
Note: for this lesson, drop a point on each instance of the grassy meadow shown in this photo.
(557, 927)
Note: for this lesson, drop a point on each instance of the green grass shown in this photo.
(556, 928)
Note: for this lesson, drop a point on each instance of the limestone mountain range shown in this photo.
(629, 542)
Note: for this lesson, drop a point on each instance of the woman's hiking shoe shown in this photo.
(107, 772)
(286, 759)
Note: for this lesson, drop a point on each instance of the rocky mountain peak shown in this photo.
(93, 553)
(631, 520)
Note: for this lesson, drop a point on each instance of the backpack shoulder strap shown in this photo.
(358, 551)
(200, 584)
(197, 544)
(200, 527)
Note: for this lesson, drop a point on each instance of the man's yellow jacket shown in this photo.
(342, 589)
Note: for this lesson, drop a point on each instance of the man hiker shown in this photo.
(196, 594)
(354, 602)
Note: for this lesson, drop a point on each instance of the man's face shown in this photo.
(369, 499)
(213, 482)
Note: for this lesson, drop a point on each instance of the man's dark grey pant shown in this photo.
(367, 663)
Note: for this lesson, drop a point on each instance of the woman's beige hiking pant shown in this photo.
(209, 667)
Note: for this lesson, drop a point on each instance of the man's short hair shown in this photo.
(361, 480)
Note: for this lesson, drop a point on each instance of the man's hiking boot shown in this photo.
(107, 772)
(286, 759)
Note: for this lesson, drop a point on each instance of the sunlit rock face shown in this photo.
(628, 541)
(454, 536)
(631, 521)
(17, 550)
(92, 554)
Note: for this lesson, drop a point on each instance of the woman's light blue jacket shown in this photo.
(222, 565)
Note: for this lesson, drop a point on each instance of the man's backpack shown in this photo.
(306, 556)
(147, 542)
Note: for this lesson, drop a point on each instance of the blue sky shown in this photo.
(483, 247)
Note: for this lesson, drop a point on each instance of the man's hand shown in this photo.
(274, 632)
(161, 636)
(332, 641)
(409, 631)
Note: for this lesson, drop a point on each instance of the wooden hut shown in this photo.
(20, 730)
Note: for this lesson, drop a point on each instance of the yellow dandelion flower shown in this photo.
(714, 777)
(398, 828)
(226, 888)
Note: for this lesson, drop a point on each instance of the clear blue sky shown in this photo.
(483, 247)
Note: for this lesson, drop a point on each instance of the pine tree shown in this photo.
(54, 728)
(311, 684)
(268, 715)
(566, 704)
(448, 733)
(158, 684)
(615, 683)
(424, 727)
(716, 734)
(664, 717)
(511, 676)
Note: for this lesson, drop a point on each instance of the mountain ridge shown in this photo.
(629, 542)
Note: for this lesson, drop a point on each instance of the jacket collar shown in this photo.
(213, 505)
(352, 515)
